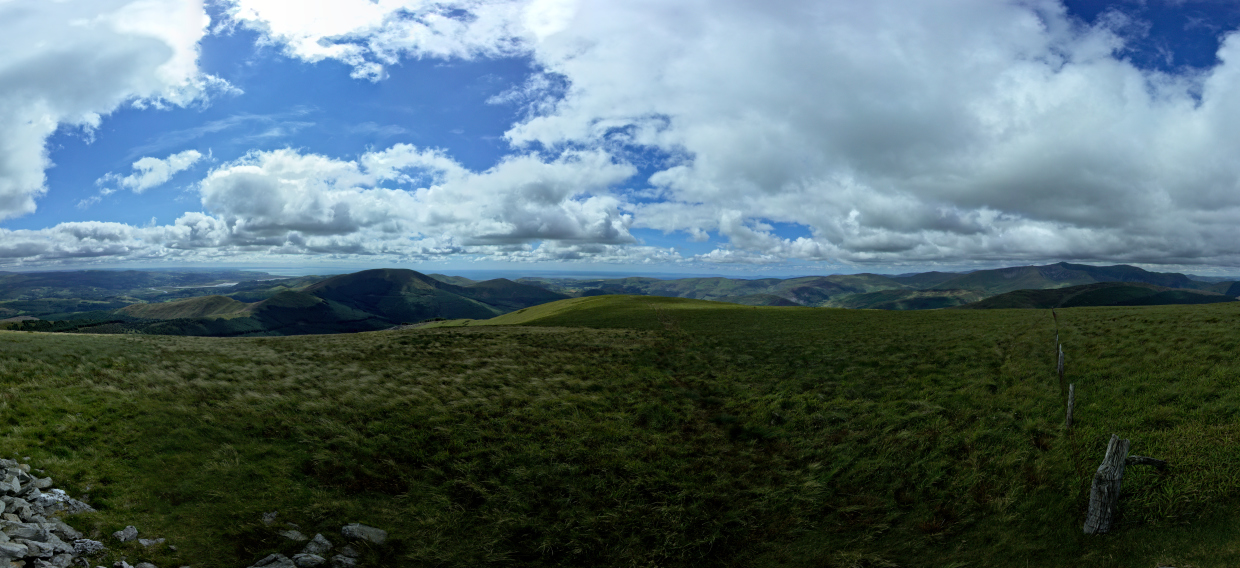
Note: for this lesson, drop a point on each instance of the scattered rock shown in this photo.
(145, 565)
(87, 547)
(269, 518)
(340, 561)
(309, 560)
(318, 546)
(314, 553)
(149, 542)
(359, 531)
(274, 561)
(293, 534)
(126, 535)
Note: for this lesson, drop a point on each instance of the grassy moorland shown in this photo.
(644, 431)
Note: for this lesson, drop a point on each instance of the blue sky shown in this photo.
(622, 137)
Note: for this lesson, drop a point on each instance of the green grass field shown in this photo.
(646, 431)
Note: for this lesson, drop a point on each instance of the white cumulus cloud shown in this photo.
(890, 131)
(883, 132)
(370, 34)
(152, 172)
(271, 195)
(402, 203)
(70, 62)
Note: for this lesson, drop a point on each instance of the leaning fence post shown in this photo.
(1104, 493)
(1071, 403)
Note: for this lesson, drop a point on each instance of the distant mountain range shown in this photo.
(1100, 294)
(111, 284)
(233, 303)
(875, 291)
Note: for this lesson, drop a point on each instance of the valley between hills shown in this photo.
(633, 422)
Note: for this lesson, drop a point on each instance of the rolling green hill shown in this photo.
(200, 307)
(58, 308)
(508, 295)
(1061, 275)
(454, 280)
(300, 313)
(1100, 294)
(757, 300)
(906, 299)
(401, 295)
(364, 301)
(99, 284)
(874, 291)
(802, 291)
(925, 279)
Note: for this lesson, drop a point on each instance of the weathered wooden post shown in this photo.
(1071, 403)
(1104, 494)
(1062, 387)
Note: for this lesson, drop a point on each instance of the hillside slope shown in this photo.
(875, 291)
(507, 295)
(906, 299)
(400, 295)
(1061, 275)
(364, 301)
(801, 291)
(200, 307)
(1099, 294)
(98, 284)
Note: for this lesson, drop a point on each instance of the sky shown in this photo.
(619, 136)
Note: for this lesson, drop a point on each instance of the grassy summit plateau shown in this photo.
(650, 431)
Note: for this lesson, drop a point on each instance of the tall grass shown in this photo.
(651, 432)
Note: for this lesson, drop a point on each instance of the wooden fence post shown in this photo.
(1063, 387)
(1071, 403)
(1104, 493)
